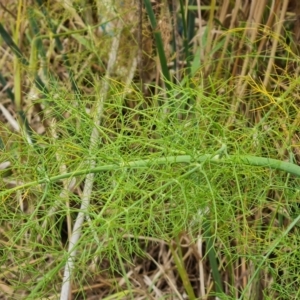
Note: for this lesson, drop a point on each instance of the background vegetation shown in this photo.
(149, 149)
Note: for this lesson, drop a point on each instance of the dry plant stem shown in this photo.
(209, 35)
(228, 36)
(11, 120)
(264, 39)
(222, 18)
(201, 268)
(253, 23)
(89, 178)
(200, 28)
(168, 278)
(128, 81)
(223, 12)
(279, 26)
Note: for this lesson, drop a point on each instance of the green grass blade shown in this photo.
(151, 15)
(210, 249)
(36, 31)
(189, 37)
(11, 44)
(182, 271)
(159, 44)
(9, 41)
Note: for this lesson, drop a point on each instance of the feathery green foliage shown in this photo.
(192, 190)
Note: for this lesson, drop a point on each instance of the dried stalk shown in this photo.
(90, 177)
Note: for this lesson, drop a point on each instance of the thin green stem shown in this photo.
(146, 163)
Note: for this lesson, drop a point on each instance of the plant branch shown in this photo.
(146, 163)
